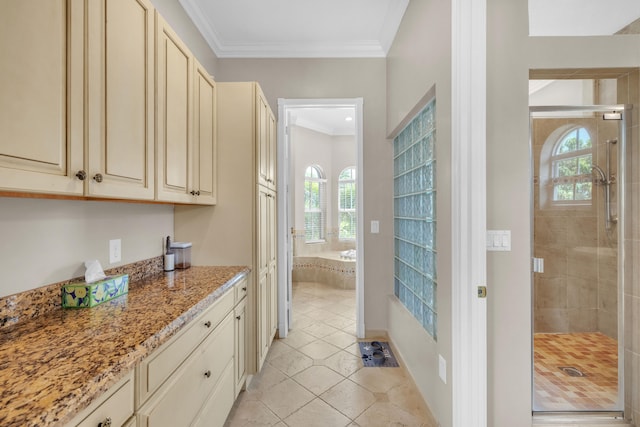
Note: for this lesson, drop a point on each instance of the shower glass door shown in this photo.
(577, 163)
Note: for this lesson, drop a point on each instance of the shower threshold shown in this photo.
(574, 419)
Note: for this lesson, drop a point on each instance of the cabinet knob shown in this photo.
(238, 317)
(207, 323)
(105, 423)
(97, 177)
(195, 193)
(81, 175)
(207, 374)
(244, 288)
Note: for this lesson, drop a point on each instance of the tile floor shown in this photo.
(594, 354)
(315, 376)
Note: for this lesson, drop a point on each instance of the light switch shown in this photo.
(375, 227)
(498, 240)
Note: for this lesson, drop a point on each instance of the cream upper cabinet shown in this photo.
(174, 115)
(265, 141)
(273, 146)
(41, 102)
(203, 186)
(120, 102)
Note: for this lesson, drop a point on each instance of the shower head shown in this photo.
(598, 169)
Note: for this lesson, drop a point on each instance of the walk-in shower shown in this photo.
(578, 183)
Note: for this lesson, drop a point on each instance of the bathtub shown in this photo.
(325, 267)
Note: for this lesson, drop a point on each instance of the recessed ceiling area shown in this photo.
(297, 28)
(581, 17)
(331, 121)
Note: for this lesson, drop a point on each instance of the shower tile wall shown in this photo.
(577, 291)
(629, 93)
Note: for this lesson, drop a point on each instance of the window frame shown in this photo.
(557, 180)
(321, 209)
(351, 181)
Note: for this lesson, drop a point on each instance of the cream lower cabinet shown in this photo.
(195, 377)
(114, 408)
(267, 315)
(181, 399)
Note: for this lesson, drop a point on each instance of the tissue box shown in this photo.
(182, 251)
(81, 294)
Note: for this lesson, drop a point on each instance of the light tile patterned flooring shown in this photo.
(595, 354)
(315, 376)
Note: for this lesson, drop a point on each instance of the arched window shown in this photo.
(571, 167)
(314, 204)
(347, 199)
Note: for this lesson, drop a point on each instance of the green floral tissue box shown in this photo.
(81, 295)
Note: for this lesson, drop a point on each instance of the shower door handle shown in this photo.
(538, 265)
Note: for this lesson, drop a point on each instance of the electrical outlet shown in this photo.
(442, 368)
(115, 251)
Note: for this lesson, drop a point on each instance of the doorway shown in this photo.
(320, 148)
(578, 165)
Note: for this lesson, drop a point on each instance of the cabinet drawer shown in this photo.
(177, 403)
(240, 290)
(219, 404)
(116, 405)
(155, 370)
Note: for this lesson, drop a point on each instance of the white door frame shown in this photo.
(284, 239)
(469, 195)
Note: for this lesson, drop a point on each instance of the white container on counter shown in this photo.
(182, 252)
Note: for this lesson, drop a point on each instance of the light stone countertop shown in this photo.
(55, 365)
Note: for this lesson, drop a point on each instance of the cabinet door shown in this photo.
(273, 147)
(263, 319)
(204, 138)
(41, 101)
(240, 359)
(174, 71)
(182, 397)
(273, 264)
(120, 103)
(263, 219)
(262, 138)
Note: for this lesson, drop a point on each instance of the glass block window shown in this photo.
(347, 204)
(571, 167)
(314, 204)
(414, 183)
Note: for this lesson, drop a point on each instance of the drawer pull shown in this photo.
(105, 423)
(207, 323)
(207, 374)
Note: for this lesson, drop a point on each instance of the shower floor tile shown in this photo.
(593, 354)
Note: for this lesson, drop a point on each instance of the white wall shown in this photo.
(511, 53)
(310, 148)
(332, 154)
(420, 60)
(47, 241)
(343, 78)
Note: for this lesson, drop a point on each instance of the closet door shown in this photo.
(41, 106)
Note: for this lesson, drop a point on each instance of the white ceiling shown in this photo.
(329, 120)
(297, 28)
(581, 17)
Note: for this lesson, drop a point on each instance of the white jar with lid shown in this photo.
(182, 252)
